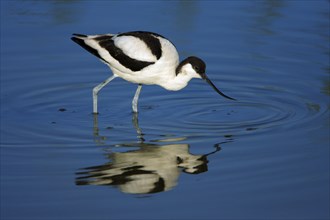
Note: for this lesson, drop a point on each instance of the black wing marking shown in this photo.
(82, 43)
(107, 43)
(149, 39)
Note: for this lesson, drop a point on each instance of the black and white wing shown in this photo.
(126, 51)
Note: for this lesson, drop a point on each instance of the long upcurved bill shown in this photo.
(216, 89)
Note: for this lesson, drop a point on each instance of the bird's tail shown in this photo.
(80, 35)
(82, 39)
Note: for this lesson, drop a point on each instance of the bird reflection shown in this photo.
(148, 168)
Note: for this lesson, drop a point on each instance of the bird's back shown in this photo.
(138, 56)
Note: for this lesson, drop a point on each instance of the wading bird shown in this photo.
(144, 58)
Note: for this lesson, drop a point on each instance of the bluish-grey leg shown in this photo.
(136, 99)
(97, 89)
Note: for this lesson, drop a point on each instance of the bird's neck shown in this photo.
(177, 82)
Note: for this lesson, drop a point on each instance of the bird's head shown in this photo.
(195, 68)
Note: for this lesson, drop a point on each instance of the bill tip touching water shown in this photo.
(144, 58)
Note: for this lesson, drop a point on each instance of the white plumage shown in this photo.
(143, 58)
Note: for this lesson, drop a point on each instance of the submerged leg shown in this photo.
(135, 121)
(136, 98)
(97, 89)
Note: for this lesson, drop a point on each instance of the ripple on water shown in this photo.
(187, 113)
(202, 114)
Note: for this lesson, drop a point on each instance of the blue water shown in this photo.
(189, 154)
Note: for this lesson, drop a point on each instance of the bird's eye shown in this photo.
(196, 68)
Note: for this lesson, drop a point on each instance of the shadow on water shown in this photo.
(148, 168)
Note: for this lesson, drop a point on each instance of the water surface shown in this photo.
(187, 155)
